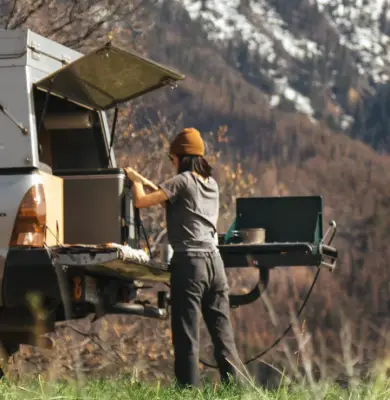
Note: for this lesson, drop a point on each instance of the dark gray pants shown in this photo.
(199, 286)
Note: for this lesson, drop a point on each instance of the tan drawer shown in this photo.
(54, 195)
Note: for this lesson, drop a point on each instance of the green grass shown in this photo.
(126, 389)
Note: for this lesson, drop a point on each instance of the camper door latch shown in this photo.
(65, 59)
(35, 53)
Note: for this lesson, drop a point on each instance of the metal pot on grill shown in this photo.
(248, 236)
(252, 235)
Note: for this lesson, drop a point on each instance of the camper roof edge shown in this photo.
(23, 47)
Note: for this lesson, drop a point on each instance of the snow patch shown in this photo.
(346, 122)
(302, 103)
(356, 22)
(274, 101)
(358, 25)
(263, 30)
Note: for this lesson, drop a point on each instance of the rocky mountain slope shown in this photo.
(318, 55)
(326, 59)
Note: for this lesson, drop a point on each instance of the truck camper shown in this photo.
(59, 183)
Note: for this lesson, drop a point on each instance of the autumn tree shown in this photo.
(78, 23)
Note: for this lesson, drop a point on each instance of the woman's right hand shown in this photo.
(137, 177)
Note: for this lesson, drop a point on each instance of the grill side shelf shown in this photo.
(272, 255)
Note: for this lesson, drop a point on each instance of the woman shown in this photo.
(198, 279)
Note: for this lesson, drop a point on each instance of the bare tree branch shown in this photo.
(92, 29)
(70, 20)
(77, 23)
(11, 14)
(21, 20)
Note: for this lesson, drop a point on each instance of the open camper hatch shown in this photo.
(92, 228)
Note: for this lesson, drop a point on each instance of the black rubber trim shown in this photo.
(18, 171)
(270, 255)
(97, 171)
(267, 248)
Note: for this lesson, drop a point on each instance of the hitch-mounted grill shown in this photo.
(294, 237)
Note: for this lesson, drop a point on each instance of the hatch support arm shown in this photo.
(5, 111)
(112, 134)
(43, 113)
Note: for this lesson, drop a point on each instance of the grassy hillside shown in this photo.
(128, 389)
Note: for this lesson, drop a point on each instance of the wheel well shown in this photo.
(29, 271)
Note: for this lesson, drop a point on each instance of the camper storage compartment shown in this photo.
(98, 207)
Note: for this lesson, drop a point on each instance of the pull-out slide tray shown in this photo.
(111, 261)
(277, 255)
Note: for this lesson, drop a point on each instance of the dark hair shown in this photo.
(196, 164)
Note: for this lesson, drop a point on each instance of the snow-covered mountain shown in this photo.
(320, 56)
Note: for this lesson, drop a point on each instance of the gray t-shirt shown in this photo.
(192, 212)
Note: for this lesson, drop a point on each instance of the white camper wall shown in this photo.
(17, 149)
(25, 57)
(48, 56)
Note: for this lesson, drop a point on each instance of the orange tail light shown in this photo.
(30, 222)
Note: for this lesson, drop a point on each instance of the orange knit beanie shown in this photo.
(188, 143)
